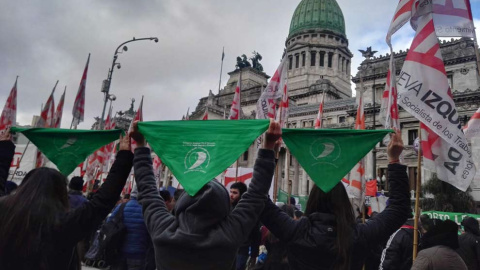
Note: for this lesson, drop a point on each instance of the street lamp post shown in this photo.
(106, 83)
(369, 54)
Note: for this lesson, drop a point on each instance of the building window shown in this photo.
(412, 135)
(322, 59)
(313, 58)
(341, 119)
(297, 60)
(291, 160)
(339, 62)
(450, 80)
(330, 59)
(343, 64)
(303, 59)
(329, 120)
(290, 62)
(245, 155)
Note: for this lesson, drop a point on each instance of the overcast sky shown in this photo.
(45, 41)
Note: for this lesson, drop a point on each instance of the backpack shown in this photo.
(110, 238)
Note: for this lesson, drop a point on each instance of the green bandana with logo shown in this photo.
(67, 148)
(198, 151)
(327, 155)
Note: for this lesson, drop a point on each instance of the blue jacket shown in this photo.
(137, 240)
(76, 199)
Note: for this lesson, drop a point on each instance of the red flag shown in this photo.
(360, 120)
(472, 128)
(9, 113)
(48, 111)
(57, 120)
(235, 108)
(267, 101)
(205, 115)
(318, 121)
(79, 104)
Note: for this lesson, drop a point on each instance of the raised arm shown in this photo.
(379, 228)
(243, 218)
(155, 212)
(7, 151)
(89, 216)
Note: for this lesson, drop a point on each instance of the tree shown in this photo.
(446, 198)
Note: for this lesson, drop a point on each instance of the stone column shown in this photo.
(303, 190)
(296, 177)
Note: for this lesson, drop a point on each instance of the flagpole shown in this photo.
(221, 69)
(275, 181)
(287, 163)
(417, 195)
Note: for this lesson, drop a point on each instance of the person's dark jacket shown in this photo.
(398, 252)
(469, 243)
(75, 225)
(252, 245)
(76, 199)
(6, 157)
(203, 234)
(137, 240)
(311, 240)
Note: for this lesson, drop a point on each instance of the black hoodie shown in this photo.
(469, 243)
(203, 234)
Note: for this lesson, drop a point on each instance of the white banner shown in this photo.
(452, 18)
(423, 91)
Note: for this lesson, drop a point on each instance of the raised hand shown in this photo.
(5, 134)
(395, 147)
(136, 135)
(274, 133)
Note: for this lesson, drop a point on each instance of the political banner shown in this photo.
(423, 91)
(457, 217)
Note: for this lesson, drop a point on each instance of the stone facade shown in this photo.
(319, 61)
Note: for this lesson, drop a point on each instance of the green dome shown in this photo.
(319, 15)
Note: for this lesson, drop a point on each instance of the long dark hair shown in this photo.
(335, 202)
(27, 218)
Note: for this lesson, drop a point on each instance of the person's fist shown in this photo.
(395, 147)
(136, 135)
(274, 133)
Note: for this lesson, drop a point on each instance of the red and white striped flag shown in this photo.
(205, 115)
(472, 128)
(267, 102)
(236, 102)
(138, 117)
(48, 111)
(453, 18)
(57, 120)
(423, 91)
(79, 104)
(403, 13)
(283, 111)
(356, 177)
(318, 121)
(9, 113)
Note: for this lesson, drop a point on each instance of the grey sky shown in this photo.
(45, 41)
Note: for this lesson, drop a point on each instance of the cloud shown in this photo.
(50, 40)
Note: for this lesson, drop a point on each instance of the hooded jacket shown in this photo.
(311, 240)
(399, 249)
(469, 243)
(6, 157)
(73, 226)
(438, 248)
(203, 234)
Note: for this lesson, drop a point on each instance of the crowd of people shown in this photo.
(47, 223)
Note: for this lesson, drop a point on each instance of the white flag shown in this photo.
(472, 129)
(423, 91)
